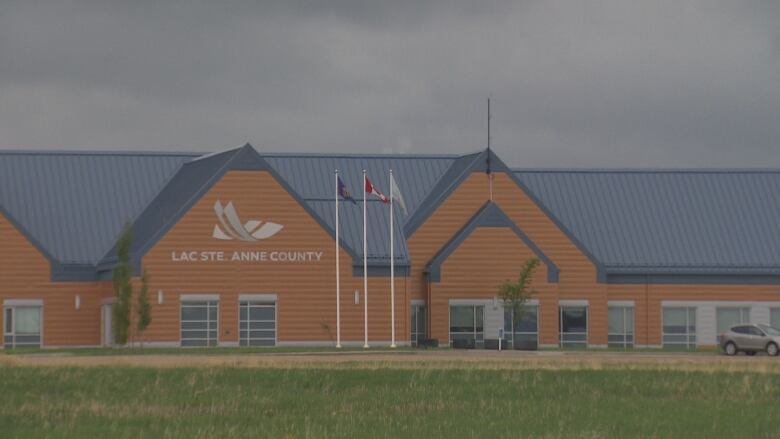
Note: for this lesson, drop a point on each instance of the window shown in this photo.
(256, 323)
(526, 331)
(9, 320)
(573, 326)
(728, 317)
(774, 319)
(466, 325)
(741, 329)
(620, 327)
(419, 327)
(22, 327)
(679, 327)
(199, 323)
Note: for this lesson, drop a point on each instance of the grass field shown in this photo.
(353, 401)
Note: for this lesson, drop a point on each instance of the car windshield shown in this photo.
(770, 330)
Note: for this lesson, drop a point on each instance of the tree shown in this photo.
(123, 288)
(516, 294)
(144, 309)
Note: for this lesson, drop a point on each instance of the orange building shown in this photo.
(241, 250)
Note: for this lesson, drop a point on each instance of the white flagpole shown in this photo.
(338, 272)
(365, 267)
(392, 267)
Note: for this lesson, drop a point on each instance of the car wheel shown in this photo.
(771, 350)
(750, 353)
(731, 349)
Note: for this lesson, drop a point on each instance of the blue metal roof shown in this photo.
(668, 221)
(180, 192)
(74, 203)
(312, 178)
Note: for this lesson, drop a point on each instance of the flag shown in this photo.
(344, 193)
(395, 194)
(371, 189)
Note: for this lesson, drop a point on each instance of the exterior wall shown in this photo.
(487, 258)
(306, 309)
(442, 225)
(577, 272)
(25, 273)
(306, 291)
(577, 279)
(650, 299)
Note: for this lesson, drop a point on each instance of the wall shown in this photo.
(577, 272)
(306, 306)
(25, 273)
(487, 258)
(649, 300)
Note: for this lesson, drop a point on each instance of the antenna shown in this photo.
(487, 167)
(488, 132)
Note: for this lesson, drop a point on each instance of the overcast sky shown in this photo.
(582, 83)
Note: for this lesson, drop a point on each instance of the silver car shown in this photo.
(751, 339)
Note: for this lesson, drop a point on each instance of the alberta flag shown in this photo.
(344, 193)
(371, 189)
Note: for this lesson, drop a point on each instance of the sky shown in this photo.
(595, 84)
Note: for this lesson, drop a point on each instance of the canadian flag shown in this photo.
(371, 189)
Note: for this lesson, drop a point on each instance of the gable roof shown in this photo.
(185, 187)
(646, 222)
(73, 203)
(489, 215)
(311, 176)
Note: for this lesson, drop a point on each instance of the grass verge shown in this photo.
(121, 402)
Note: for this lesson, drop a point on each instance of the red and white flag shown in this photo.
(371, 189)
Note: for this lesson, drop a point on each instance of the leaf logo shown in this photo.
(230, 226)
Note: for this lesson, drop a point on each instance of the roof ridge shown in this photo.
(358, 155)
(107, 253)
(209, 155)
(76, 152)
(647, 170)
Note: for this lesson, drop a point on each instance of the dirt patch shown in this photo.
(705, 362)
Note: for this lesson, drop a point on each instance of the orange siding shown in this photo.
(441, 226)
(306, 291)
(25, 273)
(487, 258)
(577, 272)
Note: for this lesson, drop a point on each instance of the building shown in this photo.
(240, 248)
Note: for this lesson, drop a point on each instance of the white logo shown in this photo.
(232, 228)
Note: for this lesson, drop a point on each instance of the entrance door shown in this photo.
(108, 331)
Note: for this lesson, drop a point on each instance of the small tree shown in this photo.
(516, 294)
(144, 309)
(123, 288)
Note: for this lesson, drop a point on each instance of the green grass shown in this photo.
(191, 351)
(382, 403)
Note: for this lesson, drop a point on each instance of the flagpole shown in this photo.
(392, 267)
(338, 271)
(365, 268)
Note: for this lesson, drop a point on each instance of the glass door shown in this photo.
(467, 329)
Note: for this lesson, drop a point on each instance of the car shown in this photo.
(751, 338)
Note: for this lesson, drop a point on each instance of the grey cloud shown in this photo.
(596, 84)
